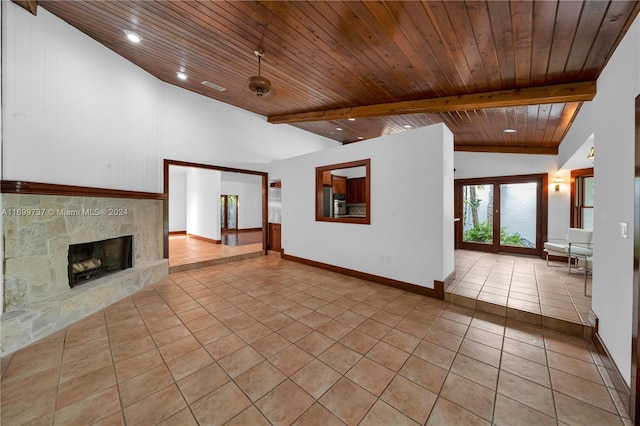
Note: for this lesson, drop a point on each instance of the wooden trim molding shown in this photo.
(437, 292)
(29, 5)
(634, 398)
(537, 150)
(177, 232)
(209, 240)
(21, 187)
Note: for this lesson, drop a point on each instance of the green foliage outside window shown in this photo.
(483, 233)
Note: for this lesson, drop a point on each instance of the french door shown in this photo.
(502, 214)
(229, 213)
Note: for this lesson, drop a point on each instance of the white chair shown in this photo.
(578, 246)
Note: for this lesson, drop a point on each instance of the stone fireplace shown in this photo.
(41, 235)
(95, 259)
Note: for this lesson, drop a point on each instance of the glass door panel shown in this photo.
(223, 210)
(232, 212)
(228, 212)
(518, 214)
(501, 214)
(477, 214)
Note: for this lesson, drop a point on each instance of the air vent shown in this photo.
(214, 86)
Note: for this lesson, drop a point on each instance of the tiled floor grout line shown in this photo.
(164, 361)
(320, 288)
(553, 392)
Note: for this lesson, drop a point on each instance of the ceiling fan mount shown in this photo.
(258, 84)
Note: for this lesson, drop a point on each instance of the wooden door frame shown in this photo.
(265, 185)
(634, 397)
(541, 211)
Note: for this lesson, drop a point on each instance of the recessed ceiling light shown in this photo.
(133, 37)
(338, 128)
(510, 130)
(360, 138)
(351, 119)
(407, 126)
(181, 75)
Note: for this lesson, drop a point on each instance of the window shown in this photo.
(582, 191)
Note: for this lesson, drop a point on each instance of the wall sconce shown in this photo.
(557, 181)
(592, 154)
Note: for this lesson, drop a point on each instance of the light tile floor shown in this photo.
(521, 282)
(185, 250)
(268, 341)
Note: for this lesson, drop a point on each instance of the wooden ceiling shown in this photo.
(480, 67)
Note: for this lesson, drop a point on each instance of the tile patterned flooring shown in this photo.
(267, 341)
(186, 252)
(497, 283)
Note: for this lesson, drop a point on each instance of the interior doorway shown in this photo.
(502, 214)
(258, 230)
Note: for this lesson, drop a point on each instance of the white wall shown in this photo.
(249, 193)
(203, 203)
(480, 164)
(410, 237)
(76, 113)
(177, 198)
(219, 134)
(610, 117)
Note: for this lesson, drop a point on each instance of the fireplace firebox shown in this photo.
(89, 261)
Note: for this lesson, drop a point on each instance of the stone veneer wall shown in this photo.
(38, 230)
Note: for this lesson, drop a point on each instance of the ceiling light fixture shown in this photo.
(339, 129)
(351, 119)
(407, 126)
(509, 130)
(360, 138)
(181, 75)
(133, 37)
(258, 84)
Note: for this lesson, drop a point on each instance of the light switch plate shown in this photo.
(622, 229)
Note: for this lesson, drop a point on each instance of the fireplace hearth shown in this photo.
(92, 260)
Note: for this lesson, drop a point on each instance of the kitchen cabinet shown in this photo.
(275, 237)
(356, 190)
(326, 178)
(339, 184)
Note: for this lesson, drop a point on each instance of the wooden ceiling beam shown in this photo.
(560, 93)
(30, 5)
(508, 149)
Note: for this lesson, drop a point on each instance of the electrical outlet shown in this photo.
(622, 229)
